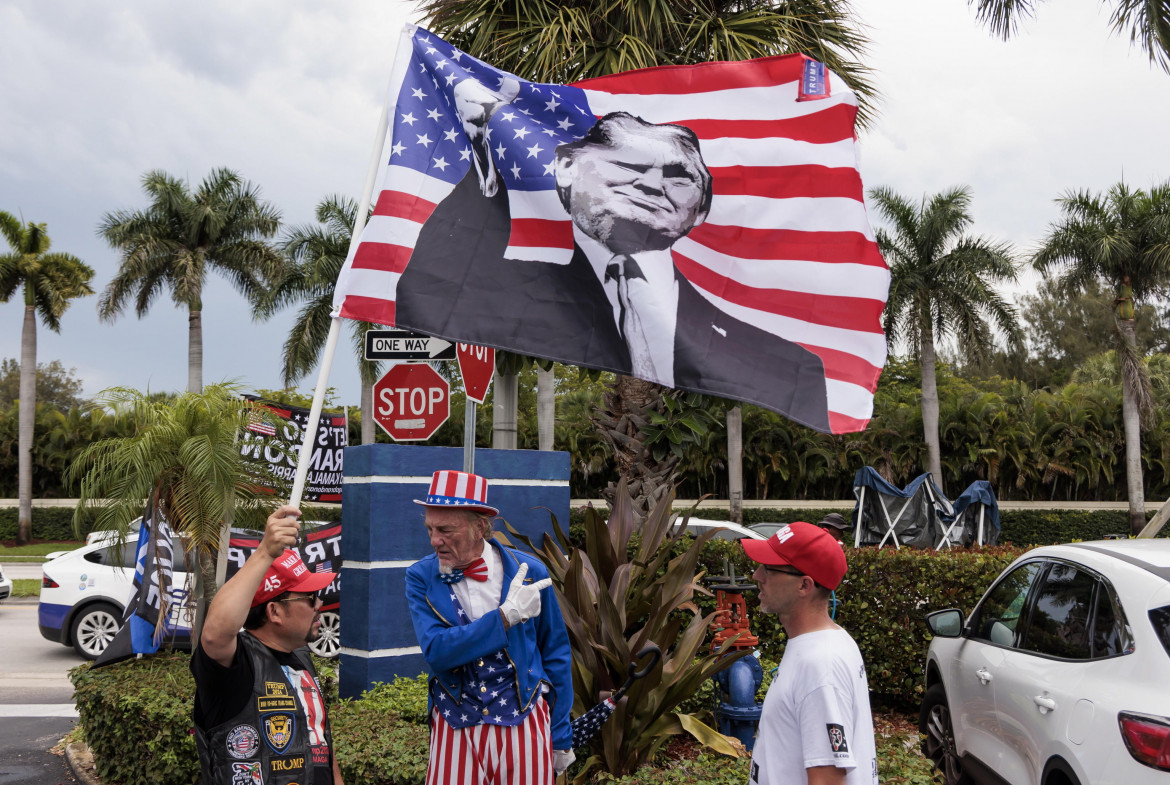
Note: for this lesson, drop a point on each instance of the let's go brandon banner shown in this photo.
(698, 226)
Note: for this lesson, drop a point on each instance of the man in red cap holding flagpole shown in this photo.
(492, 633)
(816, 726)
(259, 711)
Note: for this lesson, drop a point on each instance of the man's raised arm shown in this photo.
(232, 602)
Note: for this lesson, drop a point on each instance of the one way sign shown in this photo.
(405, 345)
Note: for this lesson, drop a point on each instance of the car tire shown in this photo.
(938, 737)
(328, 645)
(93, 629)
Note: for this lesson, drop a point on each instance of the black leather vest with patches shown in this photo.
(274, 739)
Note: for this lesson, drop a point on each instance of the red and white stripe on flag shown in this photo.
(787, 245)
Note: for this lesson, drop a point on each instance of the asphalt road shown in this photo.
(36, 699)
(32, 670)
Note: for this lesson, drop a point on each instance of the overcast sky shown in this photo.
(288, 92)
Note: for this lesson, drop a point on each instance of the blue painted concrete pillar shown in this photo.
(383, 534)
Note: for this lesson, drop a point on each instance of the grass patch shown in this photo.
(26, 587)
(35, 551)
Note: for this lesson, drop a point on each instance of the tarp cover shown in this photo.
(979, 497)
(912, 512)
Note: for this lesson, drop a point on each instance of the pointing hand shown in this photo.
(523, 601)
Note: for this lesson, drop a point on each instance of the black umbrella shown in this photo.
(585, 726)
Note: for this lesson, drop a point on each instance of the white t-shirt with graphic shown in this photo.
(816, 713)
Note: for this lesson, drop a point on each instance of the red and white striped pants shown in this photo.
(492, 754)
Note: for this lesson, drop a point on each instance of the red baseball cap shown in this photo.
(808, 548)
(289, 573)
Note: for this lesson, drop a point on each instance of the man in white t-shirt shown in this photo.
(816, 725)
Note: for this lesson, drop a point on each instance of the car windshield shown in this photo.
(1160, 618)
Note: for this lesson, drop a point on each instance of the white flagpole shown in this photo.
(298, 487)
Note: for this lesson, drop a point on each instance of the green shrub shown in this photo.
(48, 523)
(882, 603)
(382, 737)
(136, 718)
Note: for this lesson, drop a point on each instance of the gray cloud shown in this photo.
(288, 93)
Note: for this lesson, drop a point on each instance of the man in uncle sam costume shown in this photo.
(492, 633)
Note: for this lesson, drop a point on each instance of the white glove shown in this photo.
(523, 602)
(562, 759)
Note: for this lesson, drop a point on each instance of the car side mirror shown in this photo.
(946, 624)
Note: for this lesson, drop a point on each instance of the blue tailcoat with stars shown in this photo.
(539, 648)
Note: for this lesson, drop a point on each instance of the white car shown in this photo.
(84, 593)
(5, 586)
(727, 529)
(1061, 674)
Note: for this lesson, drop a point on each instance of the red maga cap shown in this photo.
(289, 573)
(808, 548)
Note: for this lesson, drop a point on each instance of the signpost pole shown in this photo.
(469, 437)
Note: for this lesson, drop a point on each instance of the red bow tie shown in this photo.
(477, 570)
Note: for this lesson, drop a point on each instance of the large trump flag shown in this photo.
(698, 226)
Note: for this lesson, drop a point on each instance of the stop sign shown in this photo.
(476, 365)
(411, 401)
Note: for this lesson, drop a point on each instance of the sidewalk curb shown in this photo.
(80, 761)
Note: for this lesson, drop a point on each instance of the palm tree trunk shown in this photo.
(545, 408)
(624, 411)
(27, 421)
(194, 350)
(1131, 421)
(735, 462)
(930, 403)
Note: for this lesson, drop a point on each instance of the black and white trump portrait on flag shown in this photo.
(645, 240)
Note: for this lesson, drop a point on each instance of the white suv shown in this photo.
(1061, 674)
(84, 594)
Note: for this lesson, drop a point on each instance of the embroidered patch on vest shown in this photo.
(242, 742)
(247, 774)
(279, 730)
(276, 698)
(287, 764)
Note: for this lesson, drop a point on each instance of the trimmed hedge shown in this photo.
(1019, 527)
(136, 715)
(136, 719)
(48, 523)
(882, 603)
(56, 523)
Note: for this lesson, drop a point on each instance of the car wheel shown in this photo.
(938, 743)
(94, 628)
(328, 645)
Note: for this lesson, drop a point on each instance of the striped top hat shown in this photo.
(458, 489)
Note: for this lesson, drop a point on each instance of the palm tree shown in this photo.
(50, 281)
(316, 255)
(1148, 24)
(941, 285)
(182, 459)
(179, 237)
(1122, 239)
(551, 42)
